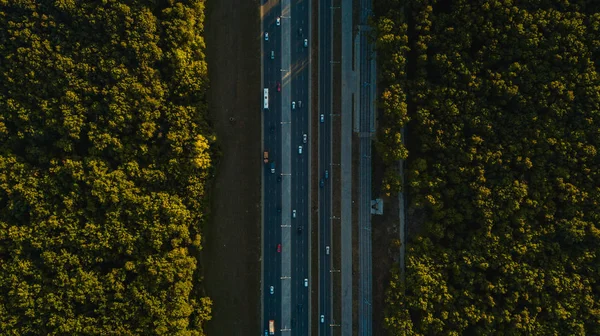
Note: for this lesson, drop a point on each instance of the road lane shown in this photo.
(272, 192)
(325, 108)
(300, 119)
(290, 67)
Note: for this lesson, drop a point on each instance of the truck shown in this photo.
(266, 157)
(266, 98)
(271, 327)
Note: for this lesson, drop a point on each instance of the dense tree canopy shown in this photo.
(104, 155)
(504, 104)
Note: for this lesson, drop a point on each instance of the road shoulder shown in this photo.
(231, 248)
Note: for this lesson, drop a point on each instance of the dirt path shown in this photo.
(231, 255)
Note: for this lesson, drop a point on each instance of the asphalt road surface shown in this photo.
(325, 109)
(286, 191)
(300, 165)
(271, 184)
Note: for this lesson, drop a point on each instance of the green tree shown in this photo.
(502, 106)
(102, 110)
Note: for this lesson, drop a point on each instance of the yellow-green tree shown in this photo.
(102, 110)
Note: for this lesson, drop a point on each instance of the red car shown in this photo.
(278, 87)
(279, 248)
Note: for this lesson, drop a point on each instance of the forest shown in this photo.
(500, 104)
(105, 154)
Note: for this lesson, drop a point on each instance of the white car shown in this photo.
(266, 36)
(326, 249)
(272, 290)
(322, 318)
(304, 138)
(305, 282)
(322, 118)
(279, 21)
(294, 213)
(299, 149)
(305, 43)
(293, 105)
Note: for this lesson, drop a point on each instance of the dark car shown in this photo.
(272, 129)
(279, 248)
(299, 229)
(322, 183)
(278, 178)
(326, 174)
(279, 209)
(278, 87)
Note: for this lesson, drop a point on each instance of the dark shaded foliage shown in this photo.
(506, 101)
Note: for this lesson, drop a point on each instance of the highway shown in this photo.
(325, 109)
(286, 197)
(286, 192)
(272, 190)
(300, 118)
